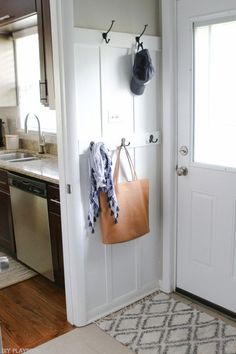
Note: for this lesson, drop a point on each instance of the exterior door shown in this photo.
(206, 241)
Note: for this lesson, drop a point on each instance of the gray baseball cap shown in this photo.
(143, 72)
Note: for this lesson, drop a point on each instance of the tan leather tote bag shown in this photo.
(133, 200)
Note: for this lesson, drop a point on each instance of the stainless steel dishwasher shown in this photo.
(31, 225)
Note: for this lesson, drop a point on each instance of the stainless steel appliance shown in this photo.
(31, 225)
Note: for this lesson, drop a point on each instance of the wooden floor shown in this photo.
(31, 313)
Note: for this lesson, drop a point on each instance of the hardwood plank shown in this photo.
(31, 313)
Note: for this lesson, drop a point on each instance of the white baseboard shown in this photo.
(122, 302)
(165, 289)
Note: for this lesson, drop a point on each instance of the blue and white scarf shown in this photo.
(100, 181)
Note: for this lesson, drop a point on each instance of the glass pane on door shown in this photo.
(215, 94)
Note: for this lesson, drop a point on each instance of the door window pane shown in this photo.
(215, 94)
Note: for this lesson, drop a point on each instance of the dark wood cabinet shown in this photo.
(54, 214)
(13, 10)
(47, 95)
(7, 242)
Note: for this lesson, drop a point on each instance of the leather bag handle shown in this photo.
(117, 165)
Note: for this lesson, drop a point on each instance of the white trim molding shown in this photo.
(73, 251)
(169, 66)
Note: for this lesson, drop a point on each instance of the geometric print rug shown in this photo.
(160, 324)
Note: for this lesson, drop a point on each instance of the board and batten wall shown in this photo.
(116, 275)
(94, 85)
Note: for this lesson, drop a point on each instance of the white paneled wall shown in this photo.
(88, 89)
(116, 68)
(118, 274)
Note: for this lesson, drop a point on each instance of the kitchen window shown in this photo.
(28, 76)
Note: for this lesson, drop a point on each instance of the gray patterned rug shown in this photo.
(16, 273)
(159, 324)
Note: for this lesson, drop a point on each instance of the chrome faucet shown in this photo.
(41, 137)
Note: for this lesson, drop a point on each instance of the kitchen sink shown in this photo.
(17, 156)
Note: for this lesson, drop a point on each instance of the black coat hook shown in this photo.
(104, 35)
(151, 139)
(140, 44)
(91, 145)
(123, 142)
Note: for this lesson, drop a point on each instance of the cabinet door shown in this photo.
(6, 226)
(12, 10)
(47, 96)
(4, 186)
(7, 241)
(57, 250)
(56, 233)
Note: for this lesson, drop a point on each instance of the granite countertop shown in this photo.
(44, 168)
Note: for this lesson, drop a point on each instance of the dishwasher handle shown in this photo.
(28, 185)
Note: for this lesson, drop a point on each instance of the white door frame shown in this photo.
(62, 35)
(169, 81)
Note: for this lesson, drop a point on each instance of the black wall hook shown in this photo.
(104, 35)
(151, 139)
(91, 145)
(123, 142)
(140, 44)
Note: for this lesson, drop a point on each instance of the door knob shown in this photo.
(181, 171)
